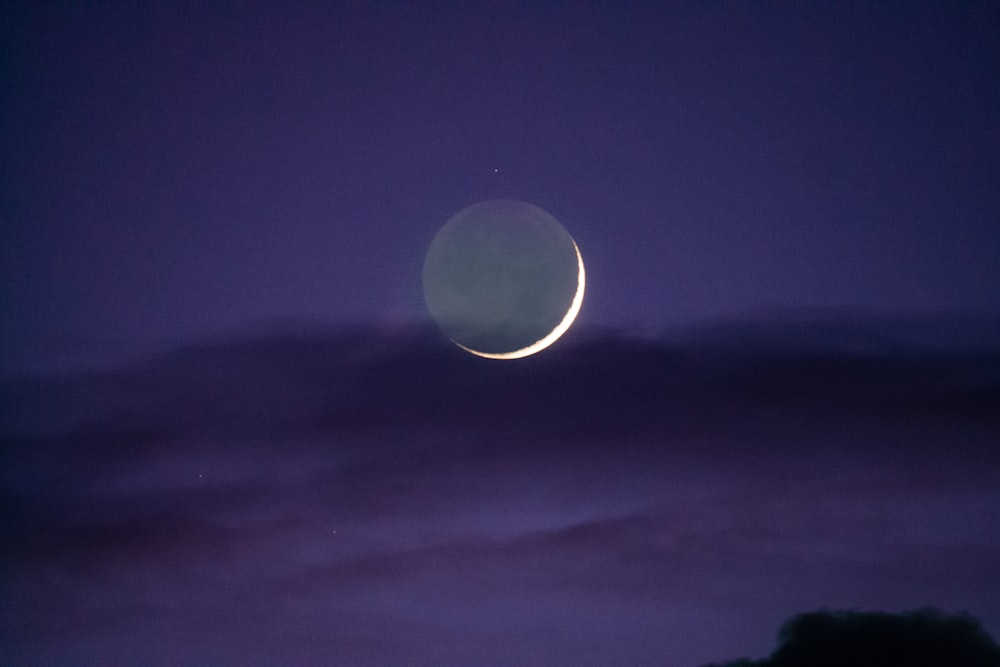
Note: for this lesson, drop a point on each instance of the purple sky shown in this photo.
(229, 434)
(179, 170)
(308, 498)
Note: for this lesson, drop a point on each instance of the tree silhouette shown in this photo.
(924, 638)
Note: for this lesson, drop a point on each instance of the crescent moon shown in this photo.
(555, 334)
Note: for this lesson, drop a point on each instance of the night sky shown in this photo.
(231, 434)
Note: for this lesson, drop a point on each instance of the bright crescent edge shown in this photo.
(555, 334)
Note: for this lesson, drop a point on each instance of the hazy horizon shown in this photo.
(382, 498)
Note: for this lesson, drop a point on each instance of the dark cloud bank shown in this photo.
(380, 497)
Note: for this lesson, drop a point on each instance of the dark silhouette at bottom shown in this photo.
(924, 638)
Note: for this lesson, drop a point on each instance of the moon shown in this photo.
(503, 279)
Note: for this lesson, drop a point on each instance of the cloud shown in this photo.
(925, 638)
(363, 380)
(430, 506)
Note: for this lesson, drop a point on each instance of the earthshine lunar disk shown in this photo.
(503, 279)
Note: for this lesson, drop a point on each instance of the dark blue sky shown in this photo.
(249, 445)
(178, 170)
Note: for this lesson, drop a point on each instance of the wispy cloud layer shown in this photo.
(365, 497)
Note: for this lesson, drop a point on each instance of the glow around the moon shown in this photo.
(503, 279)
